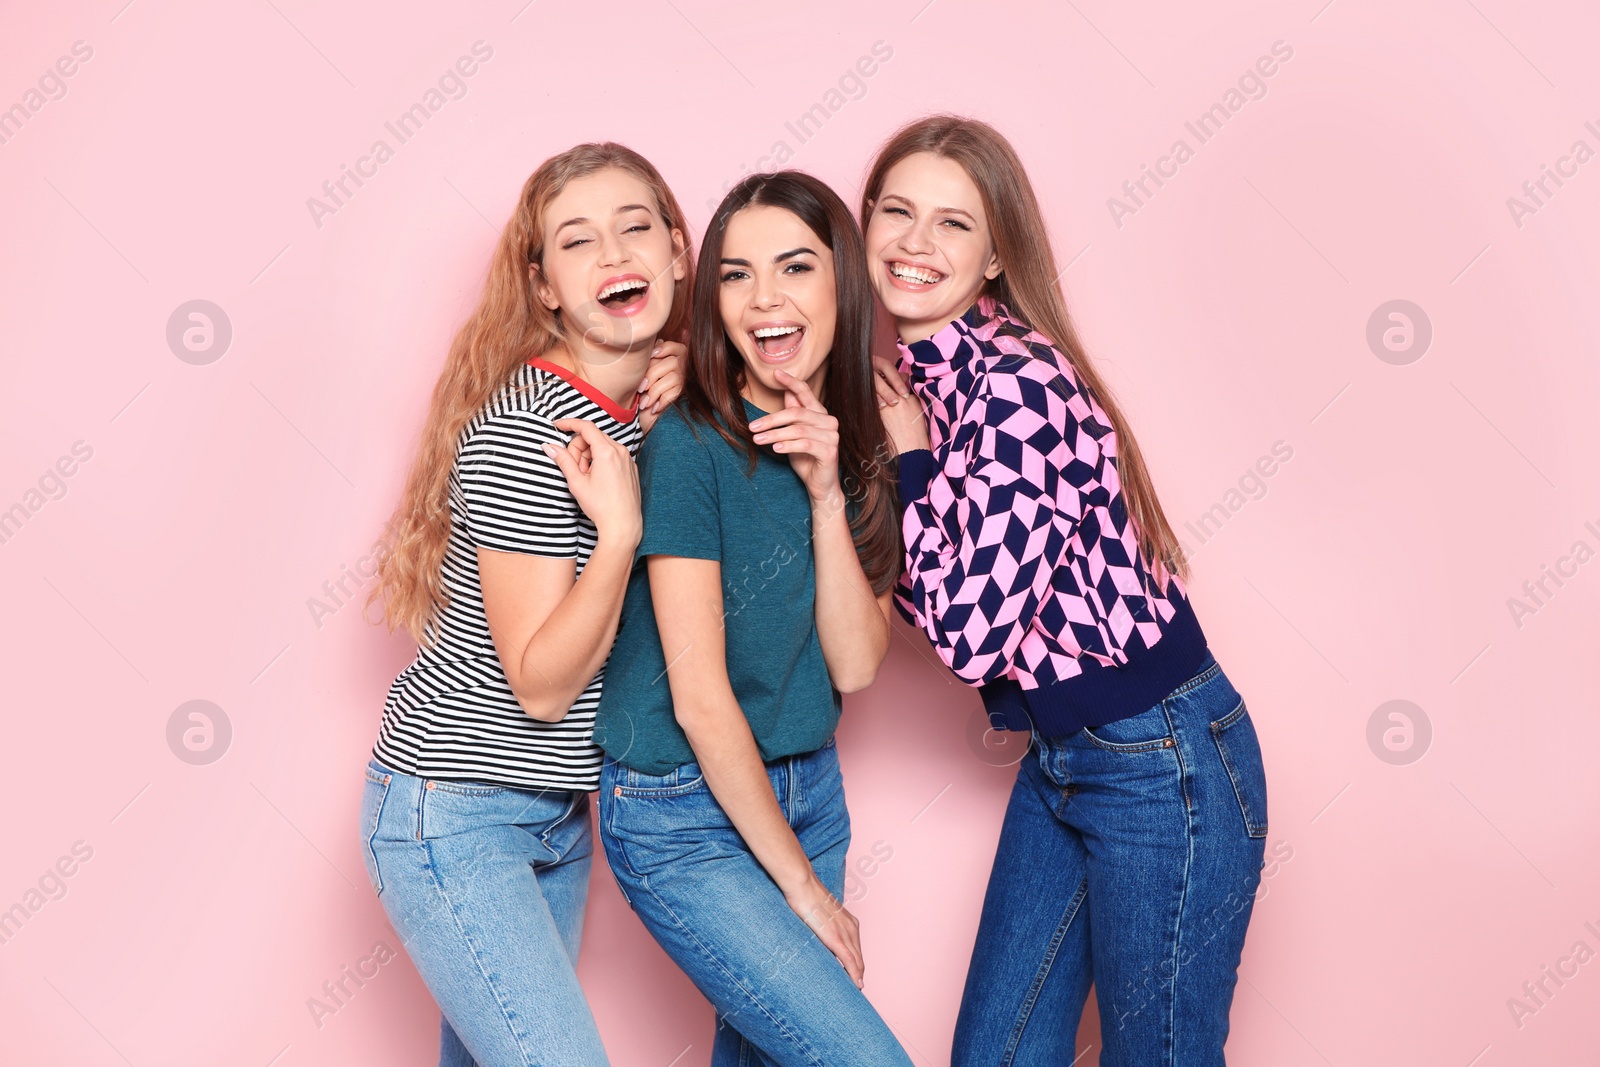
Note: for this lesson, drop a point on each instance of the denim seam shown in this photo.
(1217, 729)
(477, 959)
(1043, 973)
(677, 789)
(1183, 769)
(550, 827)
(1169, 1037)
(422, 796)
(1131, 747)
(610, 842)
(465, 789)
(1229, 719)
(797, 792)
(1198, 680)
(783, 1027)
(372, 833)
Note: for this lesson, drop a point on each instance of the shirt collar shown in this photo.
(588, 389)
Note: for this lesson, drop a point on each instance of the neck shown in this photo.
(911, 331)
(617, 372)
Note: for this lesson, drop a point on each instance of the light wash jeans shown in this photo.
(486, 885)
(782, 998)
(1130, 856)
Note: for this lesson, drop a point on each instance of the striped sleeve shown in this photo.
(516, 497)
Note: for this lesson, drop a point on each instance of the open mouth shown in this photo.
(914, 278)
(777, 343)
(624, 296)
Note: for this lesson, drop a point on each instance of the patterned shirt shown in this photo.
(451, 714)
(1022, 563)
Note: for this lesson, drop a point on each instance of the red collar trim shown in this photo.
(588, 389)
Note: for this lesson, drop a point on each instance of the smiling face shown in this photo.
(610, 263)
(929, 248)
(778, 299)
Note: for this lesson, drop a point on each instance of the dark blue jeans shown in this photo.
(1130, 856)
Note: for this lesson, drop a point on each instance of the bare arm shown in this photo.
(688, 606)
(552, 631)
(852, 621)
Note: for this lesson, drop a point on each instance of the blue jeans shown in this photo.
(485, 886)
(1130, 855)
(782, 998)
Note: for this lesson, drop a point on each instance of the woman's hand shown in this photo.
(807, 434)
(663, 381)
(606, 486)
(834, 926)
(903, 418)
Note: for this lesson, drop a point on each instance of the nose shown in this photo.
(613, 252)
(765, 294)
(916, 237)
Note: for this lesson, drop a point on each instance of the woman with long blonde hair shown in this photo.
(1041, 567)
(511, 551)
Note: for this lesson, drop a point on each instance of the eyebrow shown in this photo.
(779, 258)
(937, 210)
(580, 220)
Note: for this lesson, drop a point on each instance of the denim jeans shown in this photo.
(486, 885)
(782, 998)
(1130, 856)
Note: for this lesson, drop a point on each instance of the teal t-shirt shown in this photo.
(700, 503)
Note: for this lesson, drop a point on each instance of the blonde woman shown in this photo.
(512, 550)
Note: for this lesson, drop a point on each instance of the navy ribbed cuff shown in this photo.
(914, 471)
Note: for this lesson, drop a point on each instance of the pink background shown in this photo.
(1230, 311)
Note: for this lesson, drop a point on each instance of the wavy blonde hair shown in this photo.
(509, 326)
(1028, 287)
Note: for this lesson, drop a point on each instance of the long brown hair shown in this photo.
(1027, 286)
(717, 369)
(509, 326)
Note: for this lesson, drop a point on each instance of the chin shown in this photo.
(899, 307)
(632, 335)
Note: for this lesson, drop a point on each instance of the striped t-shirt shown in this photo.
(451, 714)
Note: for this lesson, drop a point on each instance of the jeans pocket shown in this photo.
(1240, 750)
(1148, 730)
(675, 783)
(465, 789)
(373, 795)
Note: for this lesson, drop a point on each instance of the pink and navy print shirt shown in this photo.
(1022, 563)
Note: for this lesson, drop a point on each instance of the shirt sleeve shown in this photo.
(678, 489)
(985, 535)
(515, 497)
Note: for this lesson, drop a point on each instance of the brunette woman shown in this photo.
(762, 593)
(1040, 565)
(512, 548)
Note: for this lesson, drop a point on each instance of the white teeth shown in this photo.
(775, 331)
(915, 274)
(621, 287)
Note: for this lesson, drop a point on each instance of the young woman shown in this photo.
(768, 556)
(511, 554)
(1040, 565)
